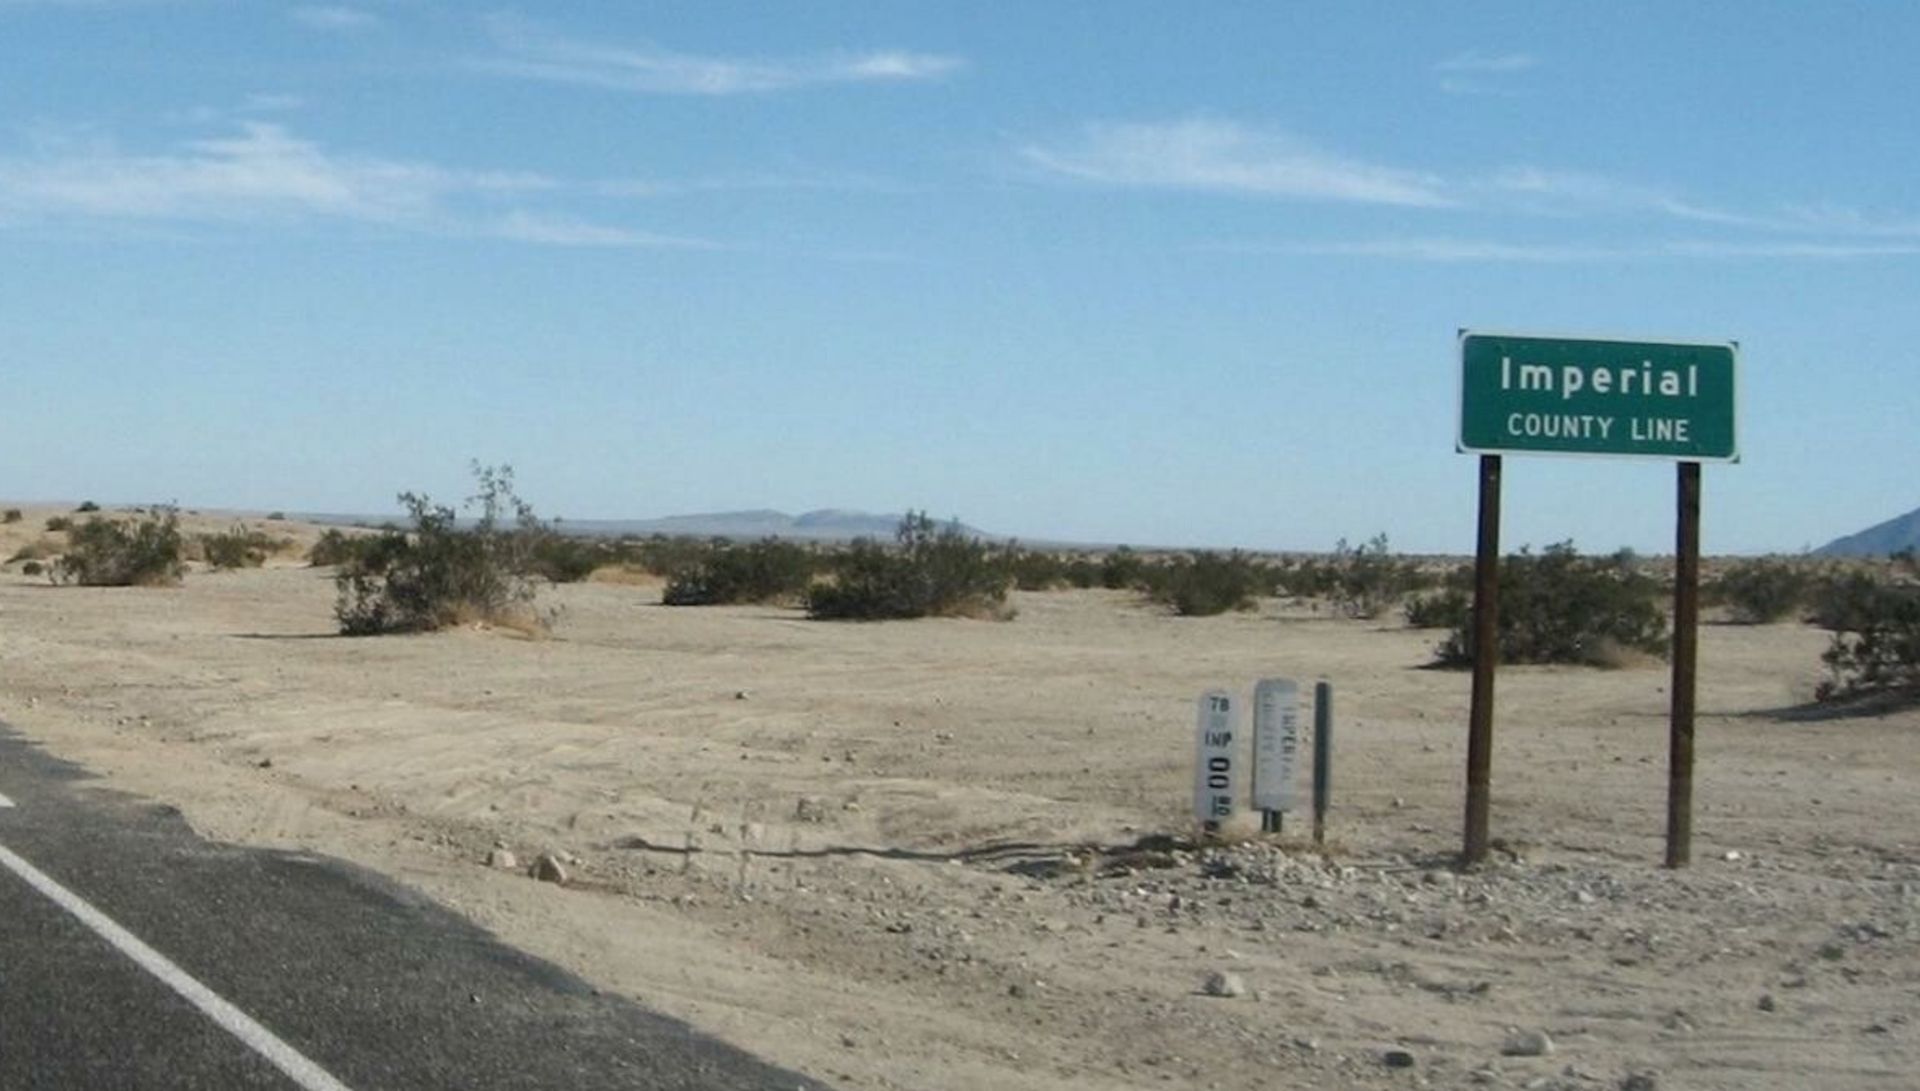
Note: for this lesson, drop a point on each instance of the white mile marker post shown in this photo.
(1276, 749)
(1215, 769)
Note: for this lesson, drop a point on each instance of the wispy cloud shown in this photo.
(4, 4)
(767, 182)
(1475, 61)
(272, 103)
(1563, 193)
(1476, 73)
(1469, 250)
(333, 17)
(533, 53)
(1224, 157)
(262, 172)
(1569, 193)
(1221, 157)
(563, 230)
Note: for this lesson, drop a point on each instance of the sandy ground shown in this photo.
(923, 855)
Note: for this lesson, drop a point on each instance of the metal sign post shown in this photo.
(1486, 654)
(1322, 758)
(1686, 647)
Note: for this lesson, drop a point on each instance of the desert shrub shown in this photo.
(59, 524)
(334, 546)
(1083, 572)
(1557, 606)
(236, 548)
(12, 515)
(1209, 583)
(766, 571)
(87, 507)
(105, 552)
(33, 568)
(1310, 579)
(1122, 569)
(1845, 599)
(1760, 591)
(276, 517)
(562, 558)
(1447, 608)
(665, 556)
(1367, 580)
(1906, 561)
(1879, 649)
(437, 574)
(928, 572)
(1154, 577)
(1035, 570)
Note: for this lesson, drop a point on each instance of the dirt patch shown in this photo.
(951, 854)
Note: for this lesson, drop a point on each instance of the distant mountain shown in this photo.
(824, 525)
(1900, 532)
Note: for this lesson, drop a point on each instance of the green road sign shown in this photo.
(1591, 396)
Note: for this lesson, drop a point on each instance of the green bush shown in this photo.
(1845, 599)
(1879, 649)
(32, 568)
(1448, 608)
(562, 558)
(1083, 572)
(1310, 579)
(59, 524)
(769, 571)
(1761, 591)
(1035, 570)
(105, 552)
(237, 548)
(928, 572)
(1560, 607)
(1122, 569)
(13, 515)
(665, 556)
(1209, 583)
(1368, 580)
(437, 574)
(334, 546)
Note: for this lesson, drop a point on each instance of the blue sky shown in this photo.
(1104, 271)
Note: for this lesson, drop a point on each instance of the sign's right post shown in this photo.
(1686, 647)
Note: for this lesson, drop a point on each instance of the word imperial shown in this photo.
(1626, 380)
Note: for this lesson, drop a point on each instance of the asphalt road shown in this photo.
(370, 983)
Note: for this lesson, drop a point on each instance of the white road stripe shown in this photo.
(234, 1021)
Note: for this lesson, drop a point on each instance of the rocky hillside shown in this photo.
(1900, 532)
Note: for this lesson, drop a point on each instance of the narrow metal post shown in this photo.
(1486, 654)
(1686, 648)
(1322, 757)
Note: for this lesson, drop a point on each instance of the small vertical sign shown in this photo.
(1215, 769)
(1276, 743)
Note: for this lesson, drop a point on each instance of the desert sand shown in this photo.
(928, 854)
